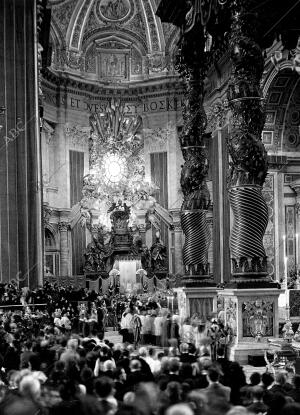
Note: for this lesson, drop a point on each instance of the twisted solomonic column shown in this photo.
(192, 67)
(248, 164)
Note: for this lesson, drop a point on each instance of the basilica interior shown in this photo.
(154, 145)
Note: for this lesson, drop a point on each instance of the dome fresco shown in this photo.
(113, 41)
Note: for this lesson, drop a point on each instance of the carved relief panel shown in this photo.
(231, 314)
(257, 317)
(113, 64)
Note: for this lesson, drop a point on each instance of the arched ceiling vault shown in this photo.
(79, 26)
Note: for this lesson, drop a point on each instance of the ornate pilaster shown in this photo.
(47, 212)
(178, 247)
(192, 66)
(64, 228)
(248, 164)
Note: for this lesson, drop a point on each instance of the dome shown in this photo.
(110, 41)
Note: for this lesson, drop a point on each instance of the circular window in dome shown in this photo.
(115, 168)
(114, 9)
(293, 140)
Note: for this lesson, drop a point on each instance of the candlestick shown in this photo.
(287, 299)
(168, 299)
(172, 299)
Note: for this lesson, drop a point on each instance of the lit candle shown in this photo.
(172, 299)
(287, 299)
(284, 245)
(285, 272)
(297, 252)
(168, 299)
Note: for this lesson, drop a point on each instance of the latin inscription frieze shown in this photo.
(147, 105)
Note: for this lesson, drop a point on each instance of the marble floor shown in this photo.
(114, 337)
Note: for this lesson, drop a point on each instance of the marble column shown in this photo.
(21, 241)
(248, 167)
(64, 248)
(192, 67)
(178, 242)
(295, 185)
(251, 296)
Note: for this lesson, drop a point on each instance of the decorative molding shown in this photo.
(47, 212)
(64, 226)
(77, 134)
(295, 185)
(258, 318)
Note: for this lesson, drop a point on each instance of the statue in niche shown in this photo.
(158, 252)
(96, 255)
(140, 249)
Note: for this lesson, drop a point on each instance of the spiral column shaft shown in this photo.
(197, 241)
(248, 157)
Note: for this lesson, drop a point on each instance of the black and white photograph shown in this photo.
(149, 207)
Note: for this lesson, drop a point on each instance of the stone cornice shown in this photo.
(276, 162)
(56, 82)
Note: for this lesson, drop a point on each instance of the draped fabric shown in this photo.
(127, 270)
(202, 306)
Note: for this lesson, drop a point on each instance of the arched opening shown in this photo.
(51, 254)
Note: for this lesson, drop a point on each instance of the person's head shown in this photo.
(160, 356)
(72, 344)
(143, 351)
(120, 374)
(174, 366)
(257, 393)
(184, 348)
(135, 365)
(267, 379)
(281, 378)
(108, 365)
(129, 398)
(151, 352)
(174, 392)
(213, 374)
(104, 387)
(255, 378)
(30, 388)
(179, 409)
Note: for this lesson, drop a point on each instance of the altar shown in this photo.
(129, 280)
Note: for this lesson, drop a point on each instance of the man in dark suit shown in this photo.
(216, 389)
(135, 376)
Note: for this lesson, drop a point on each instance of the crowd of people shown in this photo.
(49, 365)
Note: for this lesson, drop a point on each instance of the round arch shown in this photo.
(51, 251)
(282, 95)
